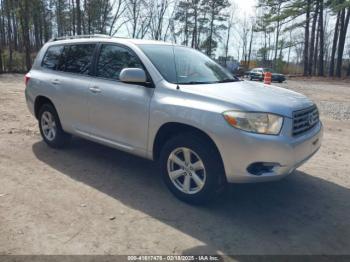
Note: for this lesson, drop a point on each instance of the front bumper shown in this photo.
(240, 149)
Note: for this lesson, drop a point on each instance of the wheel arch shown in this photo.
(171, 129)
(39, 102)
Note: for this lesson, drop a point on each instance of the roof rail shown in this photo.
(80, 36)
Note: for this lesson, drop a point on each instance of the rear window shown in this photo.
(78, 58)
(53, 58)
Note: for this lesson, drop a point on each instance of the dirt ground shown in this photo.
(90, 199)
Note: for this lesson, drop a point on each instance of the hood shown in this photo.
(252, 96)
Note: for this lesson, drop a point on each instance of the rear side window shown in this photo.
(113, 59)
(78, 58)
(53, 58)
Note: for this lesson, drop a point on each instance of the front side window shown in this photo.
(78, 58)
(183, 65)
(53, 57)
(113, 59)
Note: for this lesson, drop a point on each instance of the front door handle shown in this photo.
(95, 89)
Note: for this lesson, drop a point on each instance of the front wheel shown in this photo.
(192, 168)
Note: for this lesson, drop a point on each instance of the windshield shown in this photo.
(183, 65)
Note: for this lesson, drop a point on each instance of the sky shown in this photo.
(245, 7)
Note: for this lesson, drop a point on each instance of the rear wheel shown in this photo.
(50, 127)
(192, 169)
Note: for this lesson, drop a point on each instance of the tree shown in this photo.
(158, 9)
(78, 11)
(306, 38)
(321, 37)
(334, 47)
(24, 8)
(216, 17)
(230, 23)
(344, 22)
(312, 40)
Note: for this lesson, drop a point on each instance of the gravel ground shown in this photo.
(90, 199)
(332, 97)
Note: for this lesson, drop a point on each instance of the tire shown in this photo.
(251, 78)
(50, 127)
(212, 174)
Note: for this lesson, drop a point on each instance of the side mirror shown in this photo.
(133, 75)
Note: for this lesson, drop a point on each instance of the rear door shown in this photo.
(73, 81)
(118, 111)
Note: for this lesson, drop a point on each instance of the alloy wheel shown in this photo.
(186, 170)
(48, 126)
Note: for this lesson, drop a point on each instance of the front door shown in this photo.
(118, 112)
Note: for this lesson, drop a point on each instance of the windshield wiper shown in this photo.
(195, 83)
(228, 80)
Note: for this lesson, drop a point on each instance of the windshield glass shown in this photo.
(183, 65)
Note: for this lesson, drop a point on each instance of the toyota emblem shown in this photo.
(311, 119)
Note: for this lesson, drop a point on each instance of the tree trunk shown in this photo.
(9, 36)
(321, 45)
(250, 46)
(342, 37)
(15, 31)
(277, 36)
(211, 34)
(312, 41)
(24, 8)
(73, 12)
(194, 33)
(306, 43)
(315, 53)
(334, 47)
(186, 28)
(227, 42)
(1, 63)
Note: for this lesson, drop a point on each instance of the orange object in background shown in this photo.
(267, 78)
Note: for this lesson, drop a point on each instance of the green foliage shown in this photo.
(202, 20)
(205, 45)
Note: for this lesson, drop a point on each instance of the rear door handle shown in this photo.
(55, 82)
(95, 89)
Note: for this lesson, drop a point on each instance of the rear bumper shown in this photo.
(285, 153)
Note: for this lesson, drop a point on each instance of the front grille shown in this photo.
(305, 119)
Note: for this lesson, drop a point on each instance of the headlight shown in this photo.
(262, 123)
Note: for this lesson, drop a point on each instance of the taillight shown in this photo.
(26, 78)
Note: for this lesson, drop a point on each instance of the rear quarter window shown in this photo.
(53, 57)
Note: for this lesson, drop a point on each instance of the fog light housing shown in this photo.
(259, 168)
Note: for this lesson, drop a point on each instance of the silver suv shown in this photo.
(171, 104)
